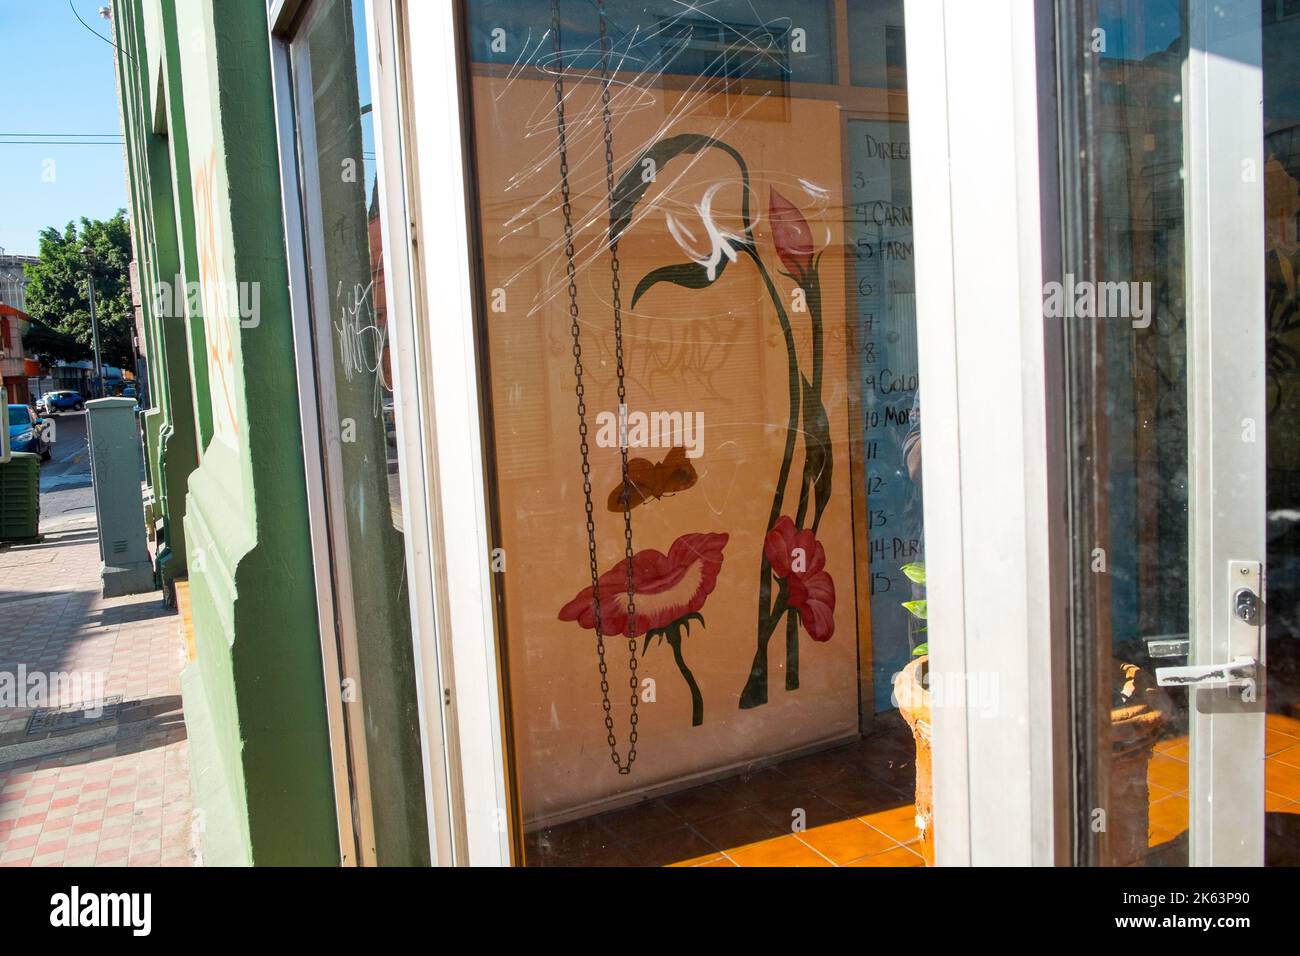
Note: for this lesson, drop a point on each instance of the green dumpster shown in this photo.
(20, 502)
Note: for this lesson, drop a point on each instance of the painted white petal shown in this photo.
(682, 236)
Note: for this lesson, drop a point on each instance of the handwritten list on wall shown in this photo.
(881, 236)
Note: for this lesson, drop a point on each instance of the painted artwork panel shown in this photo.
(732, 319)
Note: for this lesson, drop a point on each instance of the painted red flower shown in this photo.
(791, 234)
(666, 587)
(798, 558)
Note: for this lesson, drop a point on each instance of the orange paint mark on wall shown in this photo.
(218, 315)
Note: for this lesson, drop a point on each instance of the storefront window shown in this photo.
(357, 432)
(699, 327)
(1281, 76)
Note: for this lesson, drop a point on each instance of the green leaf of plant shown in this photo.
(916, 608)
(817, 438)
(921, 649)
(692, 275)
(915, 572)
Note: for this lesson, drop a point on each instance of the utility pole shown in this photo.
(89, 254)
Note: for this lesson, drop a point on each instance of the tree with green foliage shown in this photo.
(56, 290)
(50, 345)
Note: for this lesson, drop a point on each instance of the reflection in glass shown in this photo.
(1128, 419)
(1129, 431)
(700, 330)
(1281, 43)
(359, 448)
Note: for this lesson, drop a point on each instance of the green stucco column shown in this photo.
(253, 694)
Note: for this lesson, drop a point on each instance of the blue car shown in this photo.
(28, 433)
(52, 402)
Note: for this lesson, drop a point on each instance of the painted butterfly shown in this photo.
(646, 479)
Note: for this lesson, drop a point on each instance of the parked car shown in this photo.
(28, 432)
(52, 402)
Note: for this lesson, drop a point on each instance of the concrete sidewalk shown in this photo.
(106, 784)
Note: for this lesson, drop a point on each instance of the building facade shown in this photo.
(13, 282)
(231, 514)
(17, 367)
(535, 426)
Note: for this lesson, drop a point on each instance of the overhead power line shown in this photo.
(96, 32)
(74, 135)
(60, 142)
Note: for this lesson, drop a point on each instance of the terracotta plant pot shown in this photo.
(914, 704)
(1140, 712)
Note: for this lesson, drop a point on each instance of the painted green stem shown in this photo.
(674, 636)
(754, 693)
(811, 285)
(792, 358)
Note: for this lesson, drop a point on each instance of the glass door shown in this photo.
(1175, 299)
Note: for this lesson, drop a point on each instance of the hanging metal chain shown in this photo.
(575, 331)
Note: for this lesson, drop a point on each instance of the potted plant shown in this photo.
(912, 694)
(1140, 712)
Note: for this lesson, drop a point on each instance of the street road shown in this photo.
(65, 479)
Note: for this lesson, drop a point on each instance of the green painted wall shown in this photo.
(254, 698)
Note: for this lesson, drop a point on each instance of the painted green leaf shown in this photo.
(915, 572)
(691, 275)
(817, 438)
(921, 649)
(691, 617)
(633, 184)
(916, 608)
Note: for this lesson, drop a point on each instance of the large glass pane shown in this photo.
(700, 339)
(1136, 441)
(1281, 60)
(358, 428)
(1122, 302)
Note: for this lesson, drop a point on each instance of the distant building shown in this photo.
(13, 282)
(16, 365)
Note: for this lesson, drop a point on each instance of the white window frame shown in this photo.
(450, 414)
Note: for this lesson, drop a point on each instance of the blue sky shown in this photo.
(59, 80)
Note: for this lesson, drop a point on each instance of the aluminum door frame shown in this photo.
(1224, 200)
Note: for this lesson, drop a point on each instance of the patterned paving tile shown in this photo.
(121, 803)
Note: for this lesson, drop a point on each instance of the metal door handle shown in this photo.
(1239, 673)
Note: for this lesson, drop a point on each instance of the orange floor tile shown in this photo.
(1167, 776)
(850, 806)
